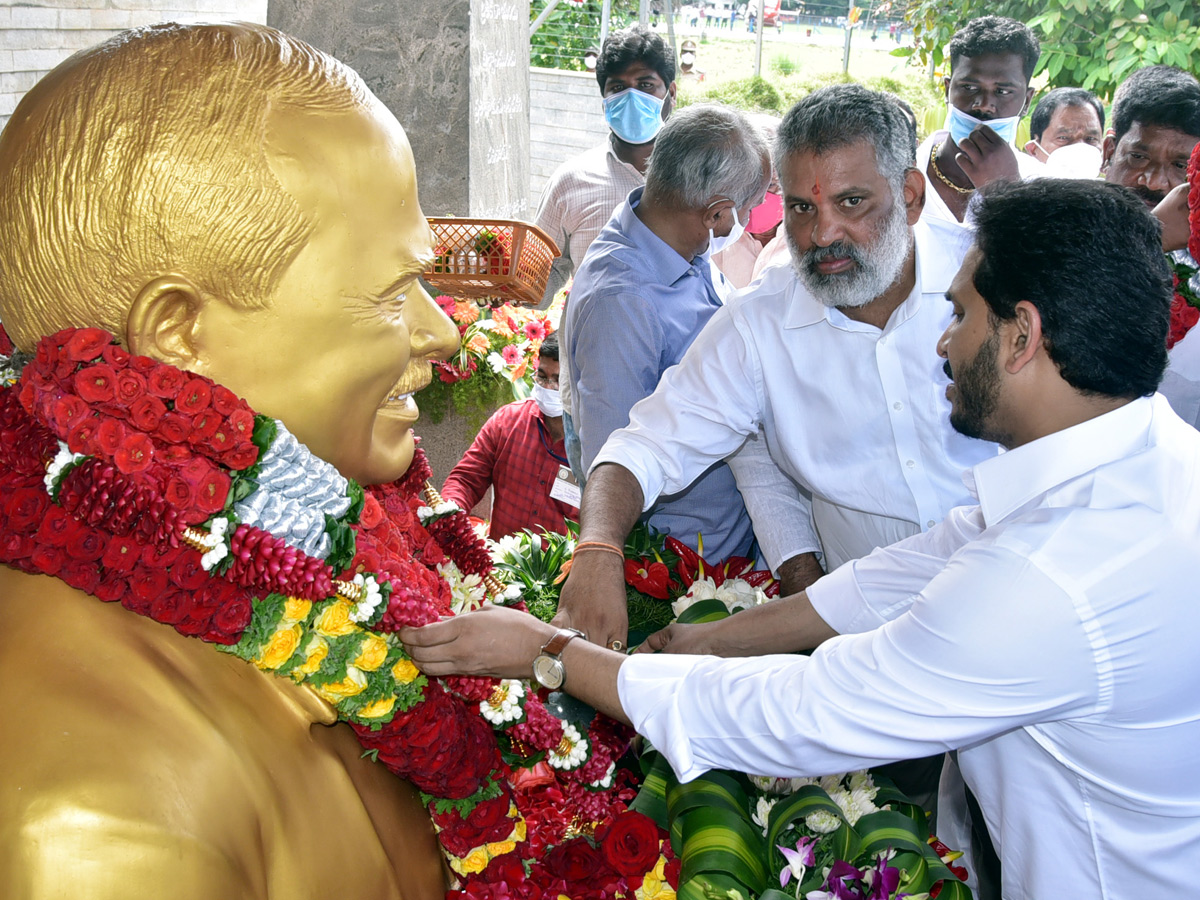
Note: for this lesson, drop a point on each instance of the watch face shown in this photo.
(548, 671)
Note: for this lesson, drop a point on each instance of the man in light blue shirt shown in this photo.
(644, 292)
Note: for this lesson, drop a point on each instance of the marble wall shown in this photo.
(456, 75)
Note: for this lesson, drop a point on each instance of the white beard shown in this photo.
(877, 265)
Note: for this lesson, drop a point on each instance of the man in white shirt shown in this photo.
(821, 371)
(992, 59)
(1047, 633)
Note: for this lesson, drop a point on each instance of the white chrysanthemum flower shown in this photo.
(63, 458)
(508, 549)
(822, 822)
(572, 750)
(606, 780)
(862, 781)
(762, 811)
(369, 598)
(505, 703)
(512, 591)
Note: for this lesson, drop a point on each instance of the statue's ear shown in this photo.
(162, 321)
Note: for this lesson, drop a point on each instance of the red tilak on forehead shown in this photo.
(816, 189)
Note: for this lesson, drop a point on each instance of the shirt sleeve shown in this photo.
(991, 644)
(471, 476)
(778, 507)
(702, 411)
(616, 354)
(550, 218)
(866, 593)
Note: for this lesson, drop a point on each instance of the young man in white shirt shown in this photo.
(1046, 633)
(992, 59)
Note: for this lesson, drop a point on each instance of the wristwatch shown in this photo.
(548, 667)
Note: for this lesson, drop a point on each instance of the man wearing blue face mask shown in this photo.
(991, 61)
(636, 73)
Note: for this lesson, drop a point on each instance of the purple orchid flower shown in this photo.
(798, 860)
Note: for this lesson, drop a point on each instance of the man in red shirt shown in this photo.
(519, 452)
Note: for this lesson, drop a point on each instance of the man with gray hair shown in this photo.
(644, 291)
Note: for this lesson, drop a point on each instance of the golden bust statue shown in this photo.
(233, 202)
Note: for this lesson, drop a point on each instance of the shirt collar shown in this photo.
(660, 257)
(1005, 483)
(935, 270)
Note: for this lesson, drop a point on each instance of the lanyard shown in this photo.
(545, 443)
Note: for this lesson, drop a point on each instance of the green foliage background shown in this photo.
(1093, 44)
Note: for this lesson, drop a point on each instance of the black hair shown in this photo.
(1055, 100)
(1089, 256)
(996, 34)
(633, 45)
(1163, 96)
(549, 348)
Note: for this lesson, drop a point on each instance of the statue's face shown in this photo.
(348, 334)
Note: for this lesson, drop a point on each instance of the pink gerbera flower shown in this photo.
(511, 355)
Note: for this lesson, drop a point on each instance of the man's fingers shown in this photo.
(430, 635)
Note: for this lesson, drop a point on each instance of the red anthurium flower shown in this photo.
(653, 578)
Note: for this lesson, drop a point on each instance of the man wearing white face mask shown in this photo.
(991, 61)
(645, 290)
(1066, 131)
(519, 453)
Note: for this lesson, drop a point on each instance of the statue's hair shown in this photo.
(145, 156)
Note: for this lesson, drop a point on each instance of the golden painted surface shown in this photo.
(235, 203)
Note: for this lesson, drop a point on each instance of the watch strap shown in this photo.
(555, 646)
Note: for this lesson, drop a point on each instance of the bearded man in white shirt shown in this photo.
(818, 378)
(1047, 633)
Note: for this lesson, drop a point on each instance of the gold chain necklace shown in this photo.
(941, 176)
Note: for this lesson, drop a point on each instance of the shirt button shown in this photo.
(930, 523)
(883, 342)
(911, 463)
(897, 405)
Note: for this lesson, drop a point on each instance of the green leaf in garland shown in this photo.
(651, 800)
(722, 841)
(341, 536)
(711, 610)
(357, 499)
(263, 436)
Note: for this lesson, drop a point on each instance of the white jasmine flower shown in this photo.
(445, 508)
(424, 513)
(512, 592)
(605, 781)
(215, 541)
(505, 703)
(572, 750)
(369, 598)
(62, 459)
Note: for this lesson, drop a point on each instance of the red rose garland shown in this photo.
(1184, 311)
(153, 454)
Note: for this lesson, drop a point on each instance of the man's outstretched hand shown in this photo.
(593, 599)
(494, 641)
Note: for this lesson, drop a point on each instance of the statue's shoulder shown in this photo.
(214, 779)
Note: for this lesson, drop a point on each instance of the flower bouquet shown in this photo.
(495, 361)
(663, 576)
(848, 837)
